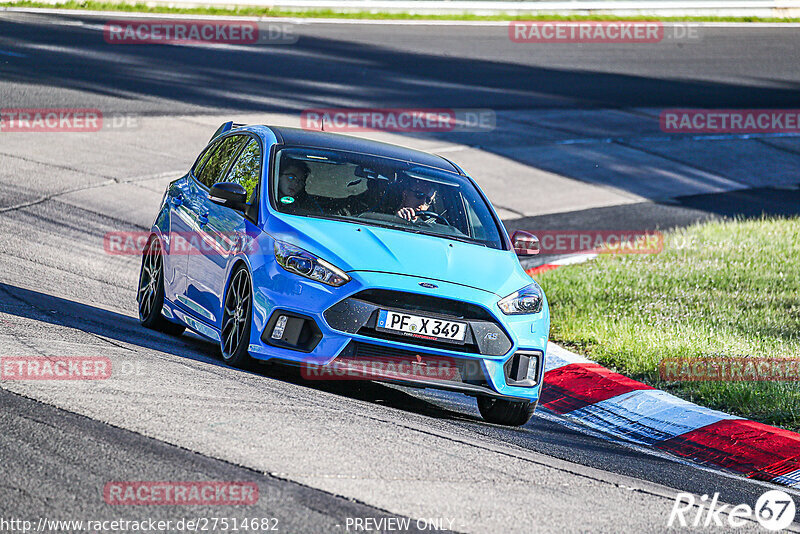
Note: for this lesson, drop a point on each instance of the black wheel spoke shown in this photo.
(232, 339)
(233, 296)
(150, 280)
(146, 303)
(242, 286)
(150, 292)
(227, 325)
(236, 313)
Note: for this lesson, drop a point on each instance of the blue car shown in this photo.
(352, 259)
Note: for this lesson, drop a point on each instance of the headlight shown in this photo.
(298, 261)
(529, 299)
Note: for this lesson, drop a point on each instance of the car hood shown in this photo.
(359, 247)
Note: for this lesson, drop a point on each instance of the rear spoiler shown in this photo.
(226, 127)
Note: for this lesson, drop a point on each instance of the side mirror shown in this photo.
(525, 244)
(229, 194)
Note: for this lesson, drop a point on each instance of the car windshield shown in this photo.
(384, 192)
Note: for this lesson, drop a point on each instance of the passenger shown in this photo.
(292, 179)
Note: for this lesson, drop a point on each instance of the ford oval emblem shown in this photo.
(428, 285)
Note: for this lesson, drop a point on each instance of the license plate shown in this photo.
(421, 327)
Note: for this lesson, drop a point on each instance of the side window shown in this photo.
(218, 159)
(247, 169)
(202, 161)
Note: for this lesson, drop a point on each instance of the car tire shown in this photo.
(237, 318)
(505, 412)
(150, 294)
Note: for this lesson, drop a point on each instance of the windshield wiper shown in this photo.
(459, 238)
(398, 226)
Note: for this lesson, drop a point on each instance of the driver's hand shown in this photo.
(407, 213)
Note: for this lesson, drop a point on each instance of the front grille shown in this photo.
(358, 315)
(454, 309)
(415, 365)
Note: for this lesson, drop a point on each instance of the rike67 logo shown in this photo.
(774, 510)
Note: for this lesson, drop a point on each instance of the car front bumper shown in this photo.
(331, 327)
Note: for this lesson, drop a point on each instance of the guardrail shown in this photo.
(678, 8)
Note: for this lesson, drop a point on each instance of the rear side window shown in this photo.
(217, 160)
(247, 169)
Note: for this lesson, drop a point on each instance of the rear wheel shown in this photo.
(505, 412)
(236, 319)
(151, 291)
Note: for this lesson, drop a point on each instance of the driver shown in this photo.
(417, 196)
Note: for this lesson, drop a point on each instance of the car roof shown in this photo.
(319, 139)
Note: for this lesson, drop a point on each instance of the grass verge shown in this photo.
(255, 11)
(721, 289)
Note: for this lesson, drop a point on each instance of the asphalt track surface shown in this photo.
(576, 146)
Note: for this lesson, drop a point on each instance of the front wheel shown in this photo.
(236, 319)
(151, 291)
(505, 412)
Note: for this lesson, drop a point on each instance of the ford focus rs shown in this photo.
(352, 259)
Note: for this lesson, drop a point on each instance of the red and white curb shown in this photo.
(567, 260)
(583, 391)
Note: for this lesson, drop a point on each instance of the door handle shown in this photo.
(177, 200)
(203, 219)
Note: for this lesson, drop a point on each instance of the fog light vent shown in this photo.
(533, 369)
(523, 369)
(291, 330)
(280, 327)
